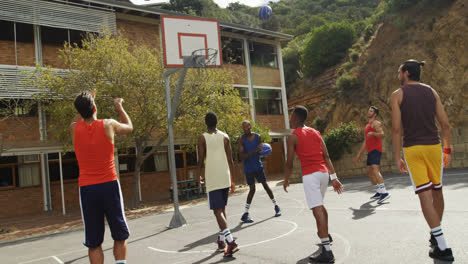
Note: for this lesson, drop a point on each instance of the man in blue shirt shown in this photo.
(249, 146)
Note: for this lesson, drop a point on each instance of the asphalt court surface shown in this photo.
(363, 231)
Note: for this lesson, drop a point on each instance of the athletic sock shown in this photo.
(377, 189)
(221, 236)
(120, 262)
(247, 206)
(382, 188)
(326, 243)
(228, 235)
(274, 201)
(439, 236)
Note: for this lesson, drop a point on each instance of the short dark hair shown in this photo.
(376, 110)
(211, 120)
(84, 104)
(414, 69)
(301, 113)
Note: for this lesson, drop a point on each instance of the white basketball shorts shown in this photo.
(315, 186)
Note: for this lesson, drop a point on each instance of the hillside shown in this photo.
(435, 34)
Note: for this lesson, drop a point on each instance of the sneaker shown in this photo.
(231, 249)
(375, 196)
(383, 197)
(246, 219)
(445, 255)
(277, 211)
(221, 246)
(324, 257)
(432, 241)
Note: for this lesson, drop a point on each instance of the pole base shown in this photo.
(177, 220)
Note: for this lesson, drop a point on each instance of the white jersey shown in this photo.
(217, 174)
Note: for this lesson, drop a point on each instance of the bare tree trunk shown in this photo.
(136, 178)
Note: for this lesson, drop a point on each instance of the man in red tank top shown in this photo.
(316, 166)
(373, 144)
(100, 192)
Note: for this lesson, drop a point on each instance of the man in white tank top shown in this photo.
(215, 155)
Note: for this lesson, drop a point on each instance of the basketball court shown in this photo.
(363, 231)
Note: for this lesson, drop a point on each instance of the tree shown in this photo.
(114, 67)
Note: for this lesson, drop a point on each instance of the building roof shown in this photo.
(149, 11)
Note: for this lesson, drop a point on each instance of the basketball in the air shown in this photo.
(265, 149)
(265, 12)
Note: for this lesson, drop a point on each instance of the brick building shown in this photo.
(33, 31)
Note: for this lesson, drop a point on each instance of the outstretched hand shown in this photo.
(337, 186)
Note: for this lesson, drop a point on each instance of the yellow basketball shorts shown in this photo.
(425, 167)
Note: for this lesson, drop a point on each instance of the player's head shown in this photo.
(372, 112)
(211, 120)
(84, 104)
(410, 70)
(298, 116)
(247, 127)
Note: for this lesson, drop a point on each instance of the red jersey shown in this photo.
(372, 142)
(309, 150)
(95, 154)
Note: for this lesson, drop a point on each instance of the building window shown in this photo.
(233, 50)
(7, 29)
(17, 107)
(263, 55)
(20, 171)
(244, 94)
(157, 162)
(268, 102)
(70, 169)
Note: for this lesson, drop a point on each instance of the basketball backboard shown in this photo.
(181, 36)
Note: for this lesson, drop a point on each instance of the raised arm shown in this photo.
(337, 186)
(442, 119)
(125, 125)
(227, 148)
(291, 145)
(396, 98)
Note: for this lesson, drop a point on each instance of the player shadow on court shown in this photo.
(366, 209)
(306, 259)
(215, 253)
(110, 248)
(211, 239)
(442, 262)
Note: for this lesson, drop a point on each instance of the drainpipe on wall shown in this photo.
(249, 79)
(284, 98)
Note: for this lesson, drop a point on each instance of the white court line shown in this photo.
(57, 259)
(248, 245)
(388, 209)
(347, 247)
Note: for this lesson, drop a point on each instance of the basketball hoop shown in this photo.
(201, 58)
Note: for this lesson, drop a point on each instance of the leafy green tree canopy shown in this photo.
(114, 67)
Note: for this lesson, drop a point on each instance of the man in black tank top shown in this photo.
(415, 108)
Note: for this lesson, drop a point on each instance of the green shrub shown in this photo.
(347, 66)
(326, 46)
(347, 82)
(320, 124)
(354, 55)
(340, 139)
(368, 32)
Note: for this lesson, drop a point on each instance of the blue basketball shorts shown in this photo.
(373, 157)
(98, 201)
(259, 175)
(218, 198)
